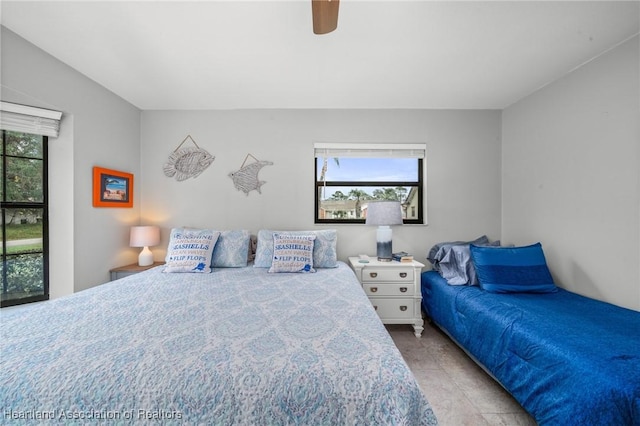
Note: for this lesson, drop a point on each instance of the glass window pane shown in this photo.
(24, 230)
(346, 184)
(24, 180)
(25, 276)
(397, 193)
(367, 169)
(23, 257)
(348, 202)
(24, 145)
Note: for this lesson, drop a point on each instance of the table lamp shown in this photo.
(384, 214)
(144, 236)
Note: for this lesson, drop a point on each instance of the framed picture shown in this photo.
(112, 188)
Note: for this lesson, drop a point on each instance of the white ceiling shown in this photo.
(263, 54)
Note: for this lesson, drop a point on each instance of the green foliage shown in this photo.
(24, 231)
(390, 194)
(358, 194)
(29, 248)
(24, 145)
(24, 276)
(339, 195)
(24, 167)
(23, 265)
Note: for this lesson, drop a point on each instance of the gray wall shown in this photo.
(463, 171)
(98, 129)
(565, 172)
(571, 161)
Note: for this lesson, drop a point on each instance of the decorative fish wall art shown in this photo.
(246, 178)
(188, 162)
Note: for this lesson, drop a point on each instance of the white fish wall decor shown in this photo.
(189, 162)
(246, 179)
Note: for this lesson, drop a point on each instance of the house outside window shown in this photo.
(349, 176)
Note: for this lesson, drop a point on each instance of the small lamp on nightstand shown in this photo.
(144, 236)
(384, 214)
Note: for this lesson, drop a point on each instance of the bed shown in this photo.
(567, 359)
(234, 346)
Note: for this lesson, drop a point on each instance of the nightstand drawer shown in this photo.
(393, 308)
(387, 274)
(388, 289)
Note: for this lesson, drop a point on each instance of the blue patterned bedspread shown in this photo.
(238, 346)
(568, 359)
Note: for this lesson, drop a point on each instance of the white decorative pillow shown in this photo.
(231, 250)
(324, 249)
(292, 253)
(190, 250)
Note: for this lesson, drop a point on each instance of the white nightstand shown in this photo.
(394, 290)
(134, 268)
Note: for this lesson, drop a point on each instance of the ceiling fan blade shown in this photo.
(325, 15)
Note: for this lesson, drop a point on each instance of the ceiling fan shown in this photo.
(325, 15)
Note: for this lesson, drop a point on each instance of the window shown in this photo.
(348, 176)
(24, 218)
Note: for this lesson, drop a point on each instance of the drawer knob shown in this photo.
(374, 289)
(373, 274)
(403, 308)
(403, 289)
(375, 307)
(403, 275)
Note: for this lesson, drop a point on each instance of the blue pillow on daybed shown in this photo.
(512, 269)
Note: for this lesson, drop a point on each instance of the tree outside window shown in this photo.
(23, 218)
(345, 186)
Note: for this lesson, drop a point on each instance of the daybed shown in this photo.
(567, 359)
(238, 345)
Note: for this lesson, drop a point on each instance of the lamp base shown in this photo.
(145, 258)
(383, 244)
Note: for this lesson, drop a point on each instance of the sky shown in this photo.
(371, 169)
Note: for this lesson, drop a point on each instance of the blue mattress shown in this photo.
(239, 346)
(567, 359)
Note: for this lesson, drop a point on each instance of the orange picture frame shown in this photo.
(112, 188)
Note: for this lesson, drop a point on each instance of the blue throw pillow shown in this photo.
(512, 269)
(232, 249)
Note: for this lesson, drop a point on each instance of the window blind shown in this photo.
(28, 119)
(369, 150)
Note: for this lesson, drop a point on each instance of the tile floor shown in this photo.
(459, 391)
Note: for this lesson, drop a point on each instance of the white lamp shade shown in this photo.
(144, 236)
(385, 213)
